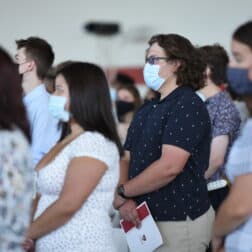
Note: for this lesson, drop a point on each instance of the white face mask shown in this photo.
(56, 107)
(151, 77)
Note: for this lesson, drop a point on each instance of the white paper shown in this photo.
(146, 238)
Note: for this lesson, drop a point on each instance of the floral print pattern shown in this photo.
(16, 187)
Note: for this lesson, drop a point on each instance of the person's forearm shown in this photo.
(210, 171)
(54, 216)
(34, 207)
(157, 175)
(227, 219)
(124, 171)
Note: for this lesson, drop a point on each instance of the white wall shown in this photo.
(61, 22)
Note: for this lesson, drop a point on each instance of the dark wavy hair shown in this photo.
(243, 34)
(90, 103)
(217, 60)
(192, 66)
(12, 110)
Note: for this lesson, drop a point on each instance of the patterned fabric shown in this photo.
(90, 229)
(181, 119)
(16, 178)
(240, 163)
(225, 120)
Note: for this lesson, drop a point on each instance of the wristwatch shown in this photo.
(121, 192)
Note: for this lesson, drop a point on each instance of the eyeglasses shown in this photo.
(152, 60)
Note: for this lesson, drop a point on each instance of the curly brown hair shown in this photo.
(192, 66)
(217, 60)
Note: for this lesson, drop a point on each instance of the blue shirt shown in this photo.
(225, 120)
(181, 119)
(239, 163)
(44, 128)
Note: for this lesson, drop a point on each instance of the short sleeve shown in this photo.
(227, 120)
(96, 146)
(187, 125)
(240, 159)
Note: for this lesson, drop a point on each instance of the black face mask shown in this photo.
(122, 108)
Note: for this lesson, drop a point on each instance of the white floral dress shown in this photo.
(16, 186)
(89, 230)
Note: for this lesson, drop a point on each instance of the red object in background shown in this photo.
(134, 72)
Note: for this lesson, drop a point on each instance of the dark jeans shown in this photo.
(217, 196)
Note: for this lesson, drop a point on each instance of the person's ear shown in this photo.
(208, 73)
(31, 65)
(176, 64)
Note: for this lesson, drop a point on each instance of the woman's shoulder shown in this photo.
(95, 145)
(13, 140)
(94, 141)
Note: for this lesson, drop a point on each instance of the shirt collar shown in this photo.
(35, 93)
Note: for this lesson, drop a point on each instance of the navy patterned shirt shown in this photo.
(180, 119)
(225, 120)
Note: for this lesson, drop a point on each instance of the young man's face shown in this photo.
(21, 60)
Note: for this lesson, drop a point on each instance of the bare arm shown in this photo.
(34, 205)
(124, 171)
(236, 209)
(159, 173)
(124, 167)
(82, 176)
(218, 151)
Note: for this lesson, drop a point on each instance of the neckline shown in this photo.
(58, 152)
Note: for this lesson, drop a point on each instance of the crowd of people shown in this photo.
(77, 153)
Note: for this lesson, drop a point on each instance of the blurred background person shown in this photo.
(16, 174)
(233, 224)
(119, 80)
(168, 146)
(127, 103)
(225, 120)
(239, 104)
(84, 164)
(150, 95)
(49, 80)
(34, 58)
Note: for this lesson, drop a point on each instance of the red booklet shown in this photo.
(145, 238)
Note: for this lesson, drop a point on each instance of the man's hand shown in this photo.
(118, 201)
(129, 213)
(218, 244)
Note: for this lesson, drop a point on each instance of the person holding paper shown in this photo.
(168, 146)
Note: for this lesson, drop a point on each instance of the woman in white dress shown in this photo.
(76, 180)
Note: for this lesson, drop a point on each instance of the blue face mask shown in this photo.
(239, 81)
(56, 107)
(151, 77)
